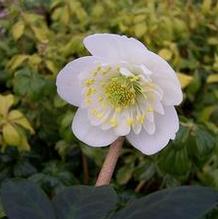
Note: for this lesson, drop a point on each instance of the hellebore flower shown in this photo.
(123, 89)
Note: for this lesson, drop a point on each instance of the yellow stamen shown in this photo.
(89, 82)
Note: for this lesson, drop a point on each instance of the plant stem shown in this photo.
(109, 164)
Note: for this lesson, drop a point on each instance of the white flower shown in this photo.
(123, 89)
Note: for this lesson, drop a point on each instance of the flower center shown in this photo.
(122, 91)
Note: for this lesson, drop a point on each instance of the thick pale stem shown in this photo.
(109, 164)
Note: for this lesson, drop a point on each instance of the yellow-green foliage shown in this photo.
(12, 123)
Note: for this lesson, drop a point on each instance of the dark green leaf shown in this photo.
(178, 203)
(24, 200)
(85, 202)
(175, 162)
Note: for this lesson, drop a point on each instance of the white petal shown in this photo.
(98, 121)
(122, 129)
(149, 127)
(150, 116)
(166, 127)
(172, 93)
(158, 107)
(91, 135)
(68, 85)
(137, 128)
(125, 72)
(115, 47)
(145, 70)
(165, 77)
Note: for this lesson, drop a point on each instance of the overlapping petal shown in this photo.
(116, 48)
(165, 77)
(167, 126)
(91, 135)
(150, 123)
(68, 86)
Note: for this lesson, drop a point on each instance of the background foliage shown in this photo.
(37, 38)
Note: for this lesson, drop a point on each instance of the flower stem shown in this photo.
(109, 164)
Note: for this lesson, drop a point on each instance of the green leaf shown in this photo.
(34, 60)
(18, 30)
(17, 117)
(14, 136)
(17, 61)
(206, 5)
(51, 66)
(6, 102)
(81, 202)
(140, 29)
(124, 174)
(175, 162)
(205, 142)
(2, 212)
(40, 34)
(188, 202)
(206, 113)
(10, 135)
(165, 54)
(184, 80)
(213, 78)
(23, 168)
(24, 200)
(29, 83)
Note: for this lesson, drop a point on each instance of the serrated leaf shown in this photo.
(18, 30)
(184, 80)
(5, 103)
(23, 199)
(83, 202)
(187, 202)
(18, 118)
